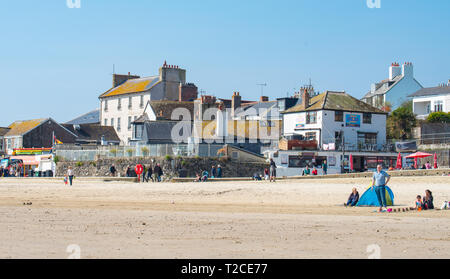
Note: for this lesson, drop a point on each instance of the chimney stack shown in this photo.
(236, 101)
(305, 99)
(394, 70)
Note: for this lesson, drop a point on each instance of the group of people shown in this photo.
(149, 173)
(380, 180)
(269, 173)
(426, 203)
(216, 172)
(12, 171)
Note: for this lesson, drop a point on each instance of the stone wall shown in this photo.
(171, 168)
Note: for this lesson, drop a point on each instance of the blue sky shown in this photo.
(56, 61)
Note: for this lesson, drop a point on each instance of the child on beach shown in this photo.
(419, 204)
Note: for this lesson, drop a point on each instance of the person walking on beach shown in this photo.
(379, 182)
(273, 170)
(112, 169)
(150, 174)
(70, 175)
(157, 173)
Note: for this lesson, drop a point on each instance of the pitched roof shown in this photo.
(132, 86)
(333, 100)
(258, 108)
(432, 91)
(163, 109)
(92, 132)
(3, 131)
(20, 128)
(87, 118)
(159, 130)
(380, 87)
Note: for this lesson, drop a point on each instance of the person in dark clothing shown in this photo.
(157, 173)
(353, 198)
(213, 172)
(428, 200)
(219, 171)
(128, 171)
(149, 174)
(160, 173)
(113, 170)
(273, 170)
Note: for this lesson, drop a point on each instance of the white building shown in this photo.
(434, 99)
(395, 89)
(126, 100)
(334, 117)
(341, 125)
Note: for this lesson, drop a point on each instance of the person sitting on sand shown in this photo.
(205, 176)
(419, 204)
(353, 198)
(428, 200)
(256, 177)
(428, 165)
(198, 178)
(314, 171)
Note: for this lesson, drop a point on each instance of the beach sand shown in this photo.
(286, 219)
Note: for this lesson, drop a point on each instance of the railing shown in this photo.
(436, 138)
(152, 150)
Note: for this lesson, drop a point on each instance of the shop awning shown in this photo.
(27, 160)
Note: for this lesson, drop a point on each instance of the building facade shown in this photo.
(126, 100)
(428, 100)
(395, 89)
(338, 119)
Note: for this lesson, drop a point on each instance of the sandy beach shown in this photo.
(286, 219)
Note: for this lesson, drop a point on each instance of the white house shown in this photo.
(341, 125)
(434, 99)
(395, 89)
(126, 100)
(336, 117)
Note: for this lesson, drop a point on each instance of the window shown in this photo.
(118, 123)
(106, 122)
(106, 105)
(367, 118)
(438, 106)
(138, 131)
(311, 117)
(141, 103)
(339, 116)
(130, 102)
(310, 136)
(119, 104)
(367, 138)
(129, 123)
(112, 122)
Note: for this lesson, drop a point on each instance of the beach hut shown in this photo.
(369, 198)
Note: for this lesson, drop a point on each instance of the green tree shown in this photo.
(439, 117)
(400, 122)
